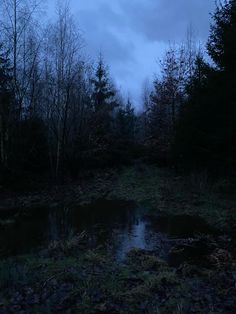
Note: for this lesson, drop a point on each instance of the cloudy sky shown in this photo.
(133, 34)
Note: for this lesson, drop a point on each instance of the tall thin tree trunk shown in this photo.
(15, 43)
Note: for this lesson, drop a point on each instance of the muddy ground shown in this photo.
(198, 275)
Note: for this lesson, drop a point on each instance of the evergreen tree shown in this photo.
(104, 103)
(126, 122)
(222, 40)
(206, 132)
(104, 92)
(193, 126)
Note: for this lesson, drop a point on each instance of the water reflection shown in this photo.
(117, 224)
(134, 238)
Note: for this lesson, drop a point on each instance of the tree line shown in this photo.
(60, 113)
(191, 110)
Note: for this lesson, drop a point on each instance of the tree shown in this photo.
(18, 30)
(6, 107)
(146, 105)
(207, 128)
(126, 122)
(192, 129)
(62, 78)
(104, 102)
(222, 40)
(168, 96)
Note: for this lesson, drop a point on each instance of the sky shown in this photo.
(133, 34)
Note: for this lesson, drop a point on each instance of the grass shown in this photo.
(140, 186)
(91, 282)
(159, 189)
(68, 276)
(163, 191)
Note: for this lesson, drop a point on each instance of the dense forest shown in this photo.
(60, 112)
(71, 142)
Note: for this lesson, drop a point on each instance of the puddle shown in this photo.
(120, 225)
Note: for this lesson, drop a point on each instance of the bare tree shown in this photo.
(19, 34)
(63, 68)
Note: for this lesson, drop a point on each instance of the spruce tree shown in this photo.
(222, 40)
(104, 103)
(207, 128)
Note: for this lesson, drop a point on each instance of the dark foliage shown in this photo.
(60, 120)
(206, 132)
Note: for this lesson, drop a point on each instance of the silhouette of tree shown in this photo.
(104, 103)
(222, 40)
(6, 107)
(207, 128)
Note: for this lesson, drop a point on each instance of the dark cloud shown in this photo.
(164, 20)
(133, 34)
(100, 27)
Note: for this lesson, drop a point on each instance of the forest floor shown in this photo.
(69, 277)
(161, 190)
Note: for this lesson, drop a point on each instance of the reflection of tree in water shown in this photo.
(98, 220)
(131, 234)
(160, 241)
(61, 224)
(107, 218)
(118, 225)
(115, 224)
(24, 235)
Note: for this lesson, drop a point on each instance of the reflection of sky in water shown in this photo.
(134, 238)
(120, 225)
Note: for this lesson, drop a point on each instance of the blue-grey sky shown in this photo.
(133, 34)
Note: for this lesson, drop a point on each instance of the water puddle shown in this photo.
(119, 225)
